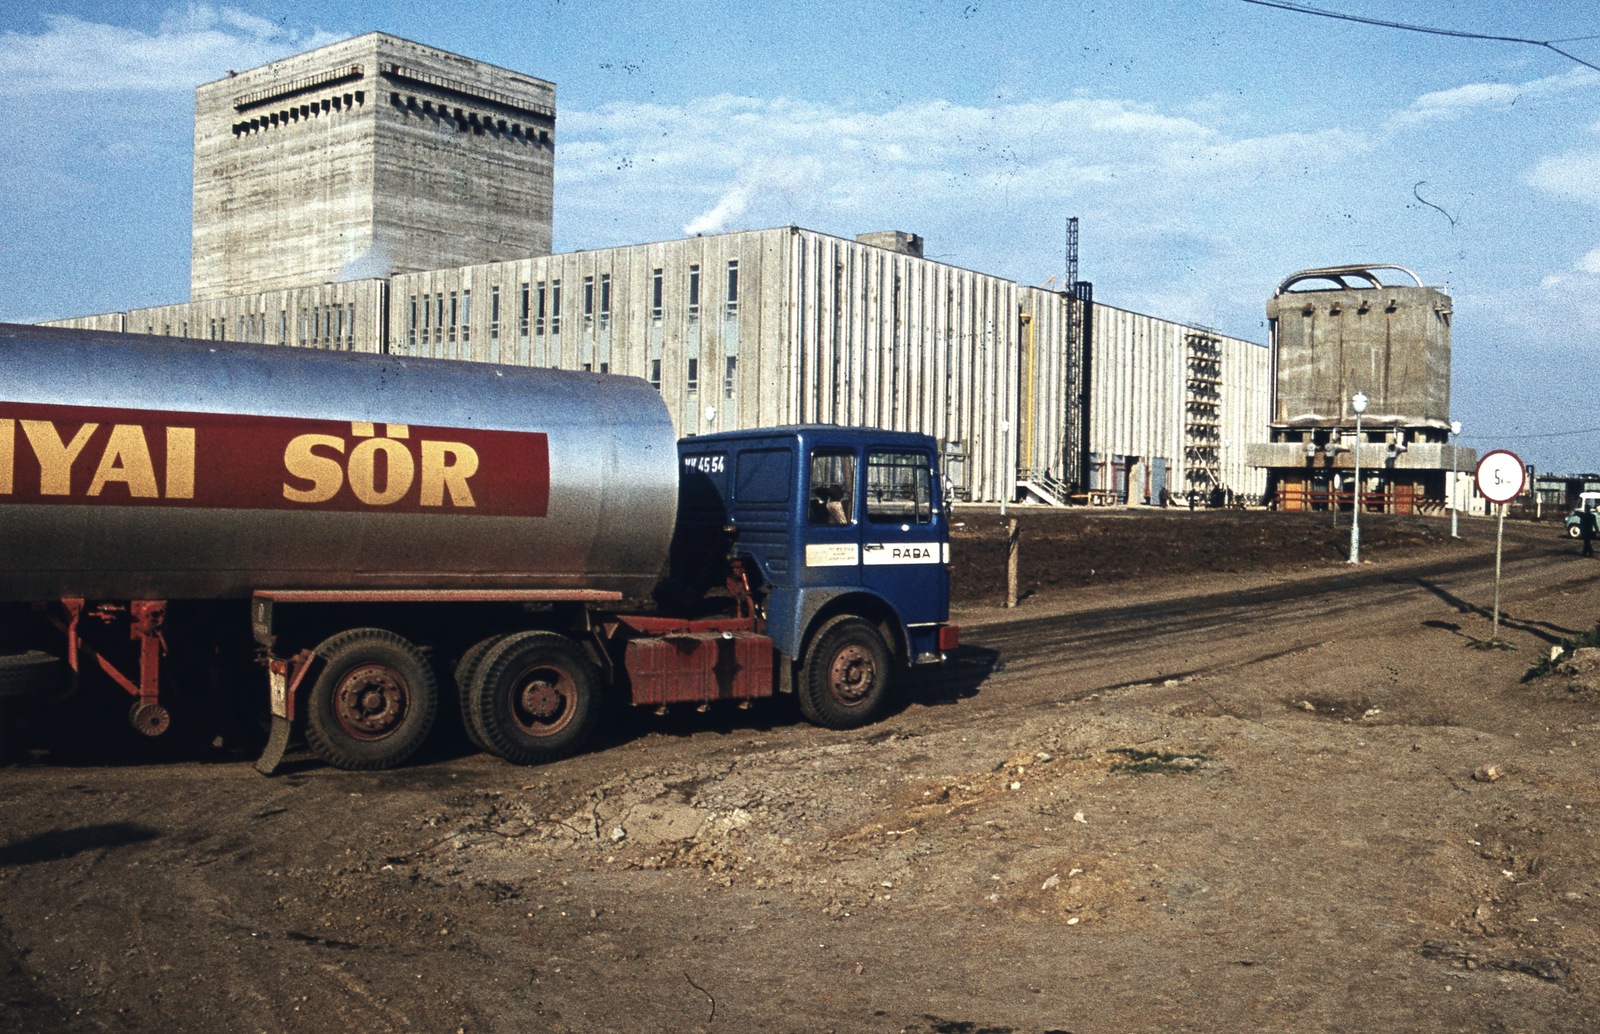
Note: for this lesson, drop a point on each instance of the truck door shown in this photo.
(832, 553)
(902, 538)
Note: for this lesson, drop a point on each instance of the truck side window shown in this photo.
(833, 488)
(899, 488)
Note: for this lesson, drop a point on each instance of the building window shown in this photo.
(411, 328)
(605, 367)
(605, 300)
(427, 322)
(655, 373)
(728, 376)
(438, 318)
(494, 314)
(539, 315)
(555, 306)
(655, 295)
(522, 324)
(466, 315)
(454, 316)
(694, 293)
(733, 288)
(694, 376)
(588, 301)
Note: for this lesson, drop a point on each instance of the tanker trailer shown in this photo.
(371, 526)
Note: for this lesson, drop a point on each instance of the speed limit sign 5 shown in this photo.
(1501, 476)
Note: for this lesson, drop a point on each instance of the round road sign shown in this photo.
(1501, 476)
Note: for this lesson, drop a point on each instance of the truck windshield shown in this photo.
(899, 488)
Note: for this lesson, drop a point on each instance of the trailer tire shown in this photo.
(373, 704)
(535, 697)
(844, 681)
(31, 675)
(465, 670)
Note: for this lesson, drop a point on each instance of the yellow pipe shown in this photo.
(1026, 422)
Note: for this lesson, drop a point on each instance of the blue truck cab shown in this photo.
(841, 533)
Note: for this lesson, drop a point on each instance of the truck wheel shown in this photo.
(1573, 532)
(535, 697)
(373, 704)
(846, 677)
(31, 675)
(466, 668)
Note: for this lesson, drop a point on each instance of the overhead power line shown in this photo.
(1522, 437)
(1547, 44)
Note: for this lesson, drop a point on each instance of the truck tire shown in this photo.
(466, 668)
(844, 681)
(1574, 532)
(31, 675)
(535, 697)
(373, 704)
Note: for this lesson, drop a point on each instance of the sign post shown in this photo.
(1501, 478)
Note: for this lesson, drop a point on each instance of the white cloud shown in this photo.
(190, 46)
(1590, 263)
(1458, 101)
(754, 162)
(1573, 175)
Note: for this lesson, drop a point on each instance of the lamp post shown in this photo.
(1455, 467)
(1358, 402)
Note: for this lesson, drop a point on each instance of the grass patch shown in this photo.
(1577, 642)
(1143, 762)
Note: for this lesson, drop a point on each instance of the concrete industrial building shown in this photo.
(367, 157)
(1391, 343)
(1035, 393)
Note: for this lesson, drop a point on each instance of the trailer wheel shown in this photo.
(846, 675)
(373, 704)
(466, 669)
(31, 675)
(535, 697)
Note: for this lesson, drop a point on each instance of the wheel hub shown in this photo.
(541, 700)
(851, 673)
(545, 703)
(370, 702)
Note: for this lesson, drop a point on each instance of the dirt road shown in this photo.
(1231, 795)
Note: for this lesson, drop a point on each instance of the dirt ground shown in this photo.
(1207, 776)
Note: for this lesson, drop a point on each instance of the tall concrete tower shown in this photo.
(367, 158)
(1350, 332)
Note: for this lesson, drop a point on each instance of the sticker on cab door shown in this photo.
(883, 553)
(832, 554)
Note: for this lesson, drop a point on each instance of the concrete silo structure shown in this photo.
(1340, 331)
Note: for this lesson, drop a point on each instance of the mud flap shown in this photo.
(283, 686)
(277, 742)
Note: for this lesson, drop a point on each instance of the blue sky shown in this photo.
(1210, 148)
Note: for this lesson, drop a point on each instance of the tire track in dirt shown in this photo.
(1158, 641)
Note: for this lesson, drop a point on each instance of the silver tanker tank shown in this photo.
(135, 467)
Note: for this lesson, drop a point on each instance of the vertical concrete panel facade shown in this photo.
(368, 157)
(346, 317)
(753, 329)
(1138, 406)
(771, 327)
